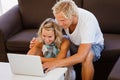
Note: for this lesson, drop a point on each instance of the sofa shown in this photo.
(20, 24)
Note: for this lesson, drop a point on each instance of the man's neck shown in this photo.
(73, 25)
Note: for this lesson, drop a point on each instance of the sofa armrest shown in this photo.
(10, 22)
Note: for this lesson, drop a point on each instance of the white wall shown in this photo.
(0, 8)
(5, 5)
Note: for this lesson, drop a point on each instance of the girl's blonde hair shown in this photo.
(67, 7)
(50, 24)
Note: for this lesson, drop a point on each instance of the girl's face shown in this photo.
(48, 36)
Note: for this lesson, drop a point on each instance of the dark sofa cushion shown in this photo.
(34, 14)
(112, 48)
(21, 41)
(107, 13)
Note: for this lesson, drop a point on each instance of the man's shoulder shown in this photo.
(85, 11)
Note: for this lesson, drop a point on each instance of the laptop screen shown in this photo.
(25, 64)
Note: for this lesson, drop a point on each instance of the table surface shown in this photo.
(6, 74)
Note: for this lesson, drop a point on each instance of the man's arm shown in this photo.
(78, 57)
(32, 42)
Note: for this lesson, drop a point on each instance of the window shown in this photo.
(5, 5)
(0, 8)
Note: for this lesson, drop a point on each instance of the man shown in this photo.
(83, 31)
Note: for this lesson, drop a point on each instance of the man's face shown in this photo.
(62, 21)
(48, 36)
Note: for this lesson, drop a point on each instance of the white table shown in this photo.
(6, 74)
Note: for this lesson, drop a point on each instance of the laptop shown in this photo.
(22, 64)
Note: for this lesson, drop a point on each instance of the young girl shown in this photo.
(51, 45)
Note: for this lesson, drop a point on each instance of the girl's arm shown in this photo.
(63, 51)
(36, 49)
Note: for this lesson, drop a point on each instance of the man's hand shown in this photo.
(32, 42)
(48, 66)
